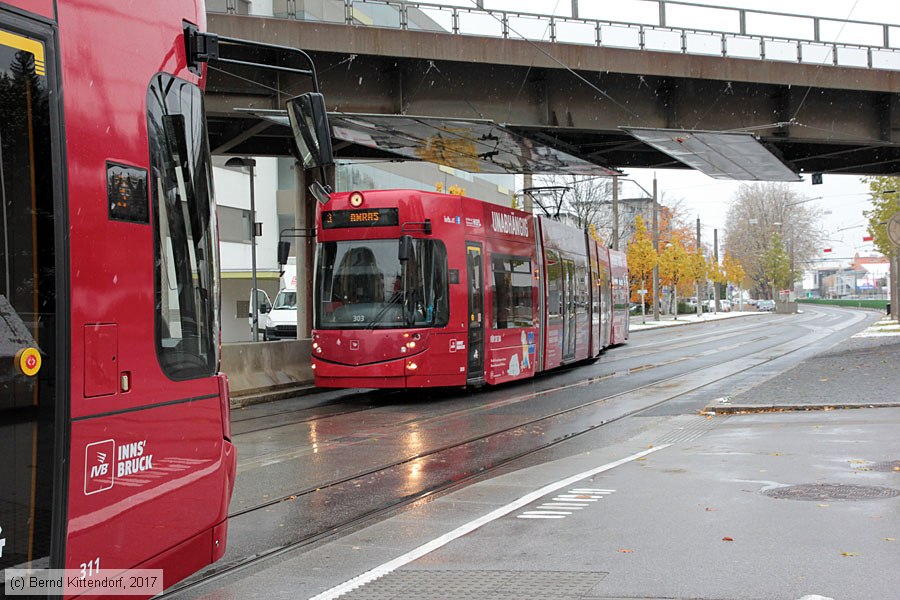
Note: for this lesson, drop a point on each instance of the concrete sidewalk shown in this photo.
(859, 372)
(639, 323)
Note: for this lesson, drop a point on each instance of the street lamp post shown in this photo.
(250, 163)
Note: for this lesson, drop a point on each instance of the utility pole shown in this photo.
(656, 250)
(716, 258)
(699, 296)
(527, 202)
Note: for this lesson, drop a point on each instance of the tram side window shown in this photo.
(512, 292)
(581, 286)
(187, 320)
(554, 284)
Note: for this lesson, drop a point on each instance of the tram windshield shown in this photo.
(363, 284)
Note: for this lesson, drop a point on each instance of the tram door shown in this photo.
(475, 286)
(568, 309)
(29, 390)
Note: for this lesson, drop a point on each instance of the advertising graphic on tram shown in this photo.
(419, 289)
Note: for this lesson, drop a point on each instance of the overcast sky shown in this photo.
(843, 197)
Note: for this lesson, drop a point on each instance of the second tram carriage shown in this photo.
(421, 289)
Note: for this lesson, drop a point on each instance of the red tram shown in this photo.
(418, 289)
(114, 419)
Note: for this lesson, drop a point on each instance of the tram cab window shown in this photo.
(363, 284)
(186, 238)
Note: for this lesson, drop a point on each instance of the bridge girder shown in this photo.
(816, 118)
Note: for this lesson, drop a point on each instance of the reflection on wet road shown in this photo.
(323, 465)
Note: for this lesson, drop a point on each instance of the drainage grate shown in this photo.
(891, 465)
(831, 491)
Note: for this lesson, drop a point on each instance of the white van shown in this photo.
(278, 320)
(281, 320)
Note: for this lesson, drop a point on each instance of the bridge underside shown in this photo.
(814, 118)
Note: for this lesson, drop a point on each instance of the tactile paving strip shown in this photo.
(481, 585)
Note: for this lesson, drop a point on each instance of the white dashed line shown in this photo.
(427, 548)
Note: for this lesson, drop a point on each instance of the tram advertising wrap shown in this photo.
(421, 289)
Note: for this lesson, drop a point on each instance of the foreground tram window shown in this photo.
(185, 228)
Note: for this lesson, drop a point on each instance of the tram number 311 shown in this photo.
(90, 568)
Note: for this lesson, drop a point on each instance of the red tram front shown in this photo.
(419, 289)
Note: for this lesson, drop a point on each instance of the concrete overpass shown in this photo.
(832, 117)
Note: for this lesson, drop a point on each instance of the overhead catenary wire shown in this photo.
(562, 64)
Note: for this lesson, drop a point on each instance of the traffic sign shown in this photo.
(893, 229)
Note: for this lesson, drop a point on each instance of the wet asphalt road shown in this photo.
(309, 465)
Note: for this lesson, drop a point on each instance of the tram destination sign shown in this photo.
(370, 217)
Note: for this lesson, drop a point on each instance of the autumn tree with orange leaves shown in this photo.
(641, 259)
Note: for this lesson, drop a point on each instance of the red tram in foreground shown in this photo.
(114, 419)
(418, 289)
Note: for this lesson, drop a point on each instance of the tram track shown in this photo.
(307, 417)
(659, 391)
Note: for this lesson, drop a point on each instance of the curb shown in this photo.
(260, 397)
(743, 409)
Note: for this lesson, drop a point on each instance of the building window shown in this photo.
(234, 224)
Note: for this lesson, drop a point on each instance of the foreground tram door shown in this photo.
(28, 316)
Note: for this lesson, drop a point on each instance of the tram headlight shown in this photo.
(410, 345)
(356, 199)
(411, 366)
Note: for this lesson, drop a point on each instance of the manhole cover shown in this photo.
(891, 465)
(831, 491)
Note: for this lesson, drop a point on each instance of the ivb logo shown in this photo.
(98, 471)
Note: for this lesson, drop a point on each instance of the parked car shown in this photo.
(765, 305)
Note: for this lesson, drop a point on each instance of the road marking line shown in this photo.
(561, 505)
(428, 547)
(518, 517)
(546, 512)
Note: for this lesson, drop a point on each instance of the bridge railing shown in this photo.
(657, 25)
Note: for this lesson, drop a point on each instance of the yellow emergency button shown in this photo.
(28, 361)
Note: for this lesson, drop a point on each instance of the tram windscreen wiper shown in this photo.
(395, 298)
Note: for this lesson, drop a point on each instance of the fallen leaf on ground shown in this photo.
(708, 509)
(625, 551)
(727, 539)
(824, 506)
(890, 539)
(849, 554)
